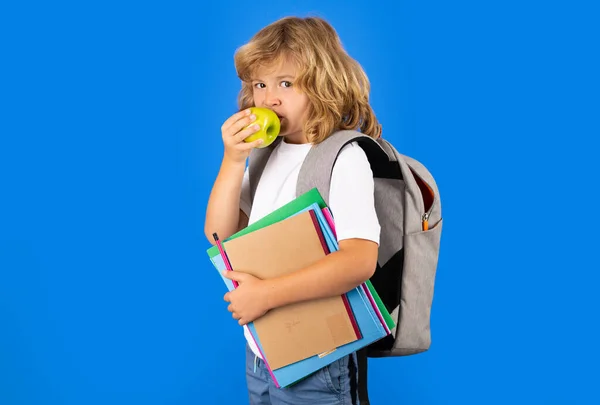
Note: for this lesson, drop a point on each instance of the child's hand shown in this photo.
(249, 300)
(233, 134)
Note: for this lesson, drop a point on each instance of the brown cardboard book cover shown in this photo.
(297, 331)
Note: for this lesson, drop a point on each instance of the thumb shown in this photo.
(233, 275)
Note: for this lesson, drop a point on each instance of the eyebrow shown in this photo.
(278, 78)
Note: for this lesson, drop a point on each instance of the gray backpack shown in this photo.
(409, 211)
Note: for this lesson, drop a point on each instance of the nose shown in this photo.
(271, 98)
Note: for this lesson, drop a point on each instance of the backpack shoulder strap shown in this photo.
(318, 165)
(256, 164)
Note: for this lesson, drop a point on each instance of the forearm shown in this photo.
(335, 274)
(223, 209)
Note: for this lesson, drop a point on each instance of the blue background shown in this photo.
(110, 122)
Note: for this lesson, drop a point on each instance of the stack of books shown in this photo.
(298, 339)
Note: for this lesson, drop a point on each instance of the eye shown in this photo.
(259, 85)
(285, 83)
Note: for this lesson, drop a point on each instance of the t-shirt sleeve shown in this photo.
(245, 199)
(352, 196)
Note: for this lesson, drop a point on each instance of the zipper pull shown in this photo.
(425, 220)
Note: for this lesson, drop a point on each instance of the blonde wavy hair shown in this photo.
(336, 85)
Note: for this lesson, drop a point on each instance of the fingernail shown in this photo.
(253, 117)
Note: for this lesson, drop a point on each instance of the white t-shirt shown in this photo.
(351, 194)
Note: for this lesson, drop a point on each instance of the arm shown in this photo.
(336, 274)
(223, 214)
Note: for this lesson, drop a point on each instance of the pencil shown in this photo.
(224, 256)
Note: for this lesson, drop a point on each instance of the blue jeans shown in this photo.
(331, 385)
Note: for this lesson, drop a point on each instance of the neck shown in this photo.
(297, 138)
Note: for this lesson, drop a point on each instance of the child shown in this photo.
(298, 68)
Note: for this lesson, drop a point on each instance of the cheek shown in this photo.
(303, 104)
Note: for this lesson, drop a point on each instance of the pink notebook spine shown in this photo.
(329, 219)
(375, 307)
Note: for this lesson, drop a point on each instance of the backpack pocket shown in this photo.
(429, 199)
(421, 251)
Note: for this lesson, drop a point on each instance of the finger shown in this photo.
(238, 126)
(235, 276)
(242, 322)
(230, 307)
(235, 118)
(227, 297)
(235, 315)
(245, 146)
(245, 133)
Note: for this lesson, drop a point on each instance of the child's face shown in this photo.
(273, 88)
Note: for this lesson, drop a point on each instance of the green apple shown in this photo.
(269, 126)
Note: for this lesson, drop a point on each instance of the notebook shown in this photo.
(300, 330)
(366, 318)
(366, 305)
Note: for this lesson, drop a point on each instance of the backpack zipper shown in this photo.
(425, 220)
